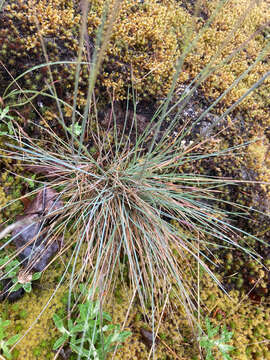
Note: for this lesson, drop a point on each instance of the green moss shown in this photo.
(15, 307)
(15, 354)
(64, 299)
(43, 330)
(23, 314)
(61, 313)
(219, 317)
(163, 336)
(18, 328)
(37, 352)
(239, 283)
(44, 344)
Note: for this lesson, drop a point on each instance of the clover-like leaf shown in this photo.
(27, 287)
(4, 112)
(85, 334)
(36, 276)
(78, 328)
(76, 130)
(226, 335)
(12, 268)
(86, 352)
(16, 286)
(4, 344)
(211, 332)
(3, 260)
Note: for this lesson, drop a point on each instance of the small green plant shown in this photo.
(31, 181)
(210, 341)
(6, 128)
(5, 343)
(4, 114)
(87, 332)
(20, 279)
(23, 280)
(76, 129)
(11, 268)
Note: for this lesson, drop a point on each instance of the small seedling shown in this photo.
(31, 181)
(24, 280)
(10, 269)
(90, 336)
(20, 279)
(77, 129)
(210, 341)
(4, 115)
(5, 343)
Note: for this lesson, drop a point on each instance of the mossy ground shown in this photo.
(247, 319)
(147, 39)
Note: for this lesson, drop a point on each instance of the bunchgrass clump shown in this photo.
(124, 203)
(126, 199)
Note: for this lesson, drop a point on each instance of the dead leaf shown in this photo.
(30, 232)
(44, 203)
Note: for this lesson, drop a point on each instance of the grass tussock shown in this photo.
(125, 205)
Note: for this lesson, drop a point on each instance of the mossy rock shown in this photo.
(143, 37)
(146, 40)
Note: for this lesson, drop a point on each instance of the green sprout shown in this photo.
(24, 282)
(76, 130)
(4, 115)
(87, 332)
(210, 341)
(19, 279)
(11, 267)
(5, 343)
(31, 181)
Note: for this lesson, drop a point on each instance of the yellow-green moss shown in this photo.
(232, 16)
(21, 323)
(10, 188)
(146, 40)
(249, 321)
(259, 160)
